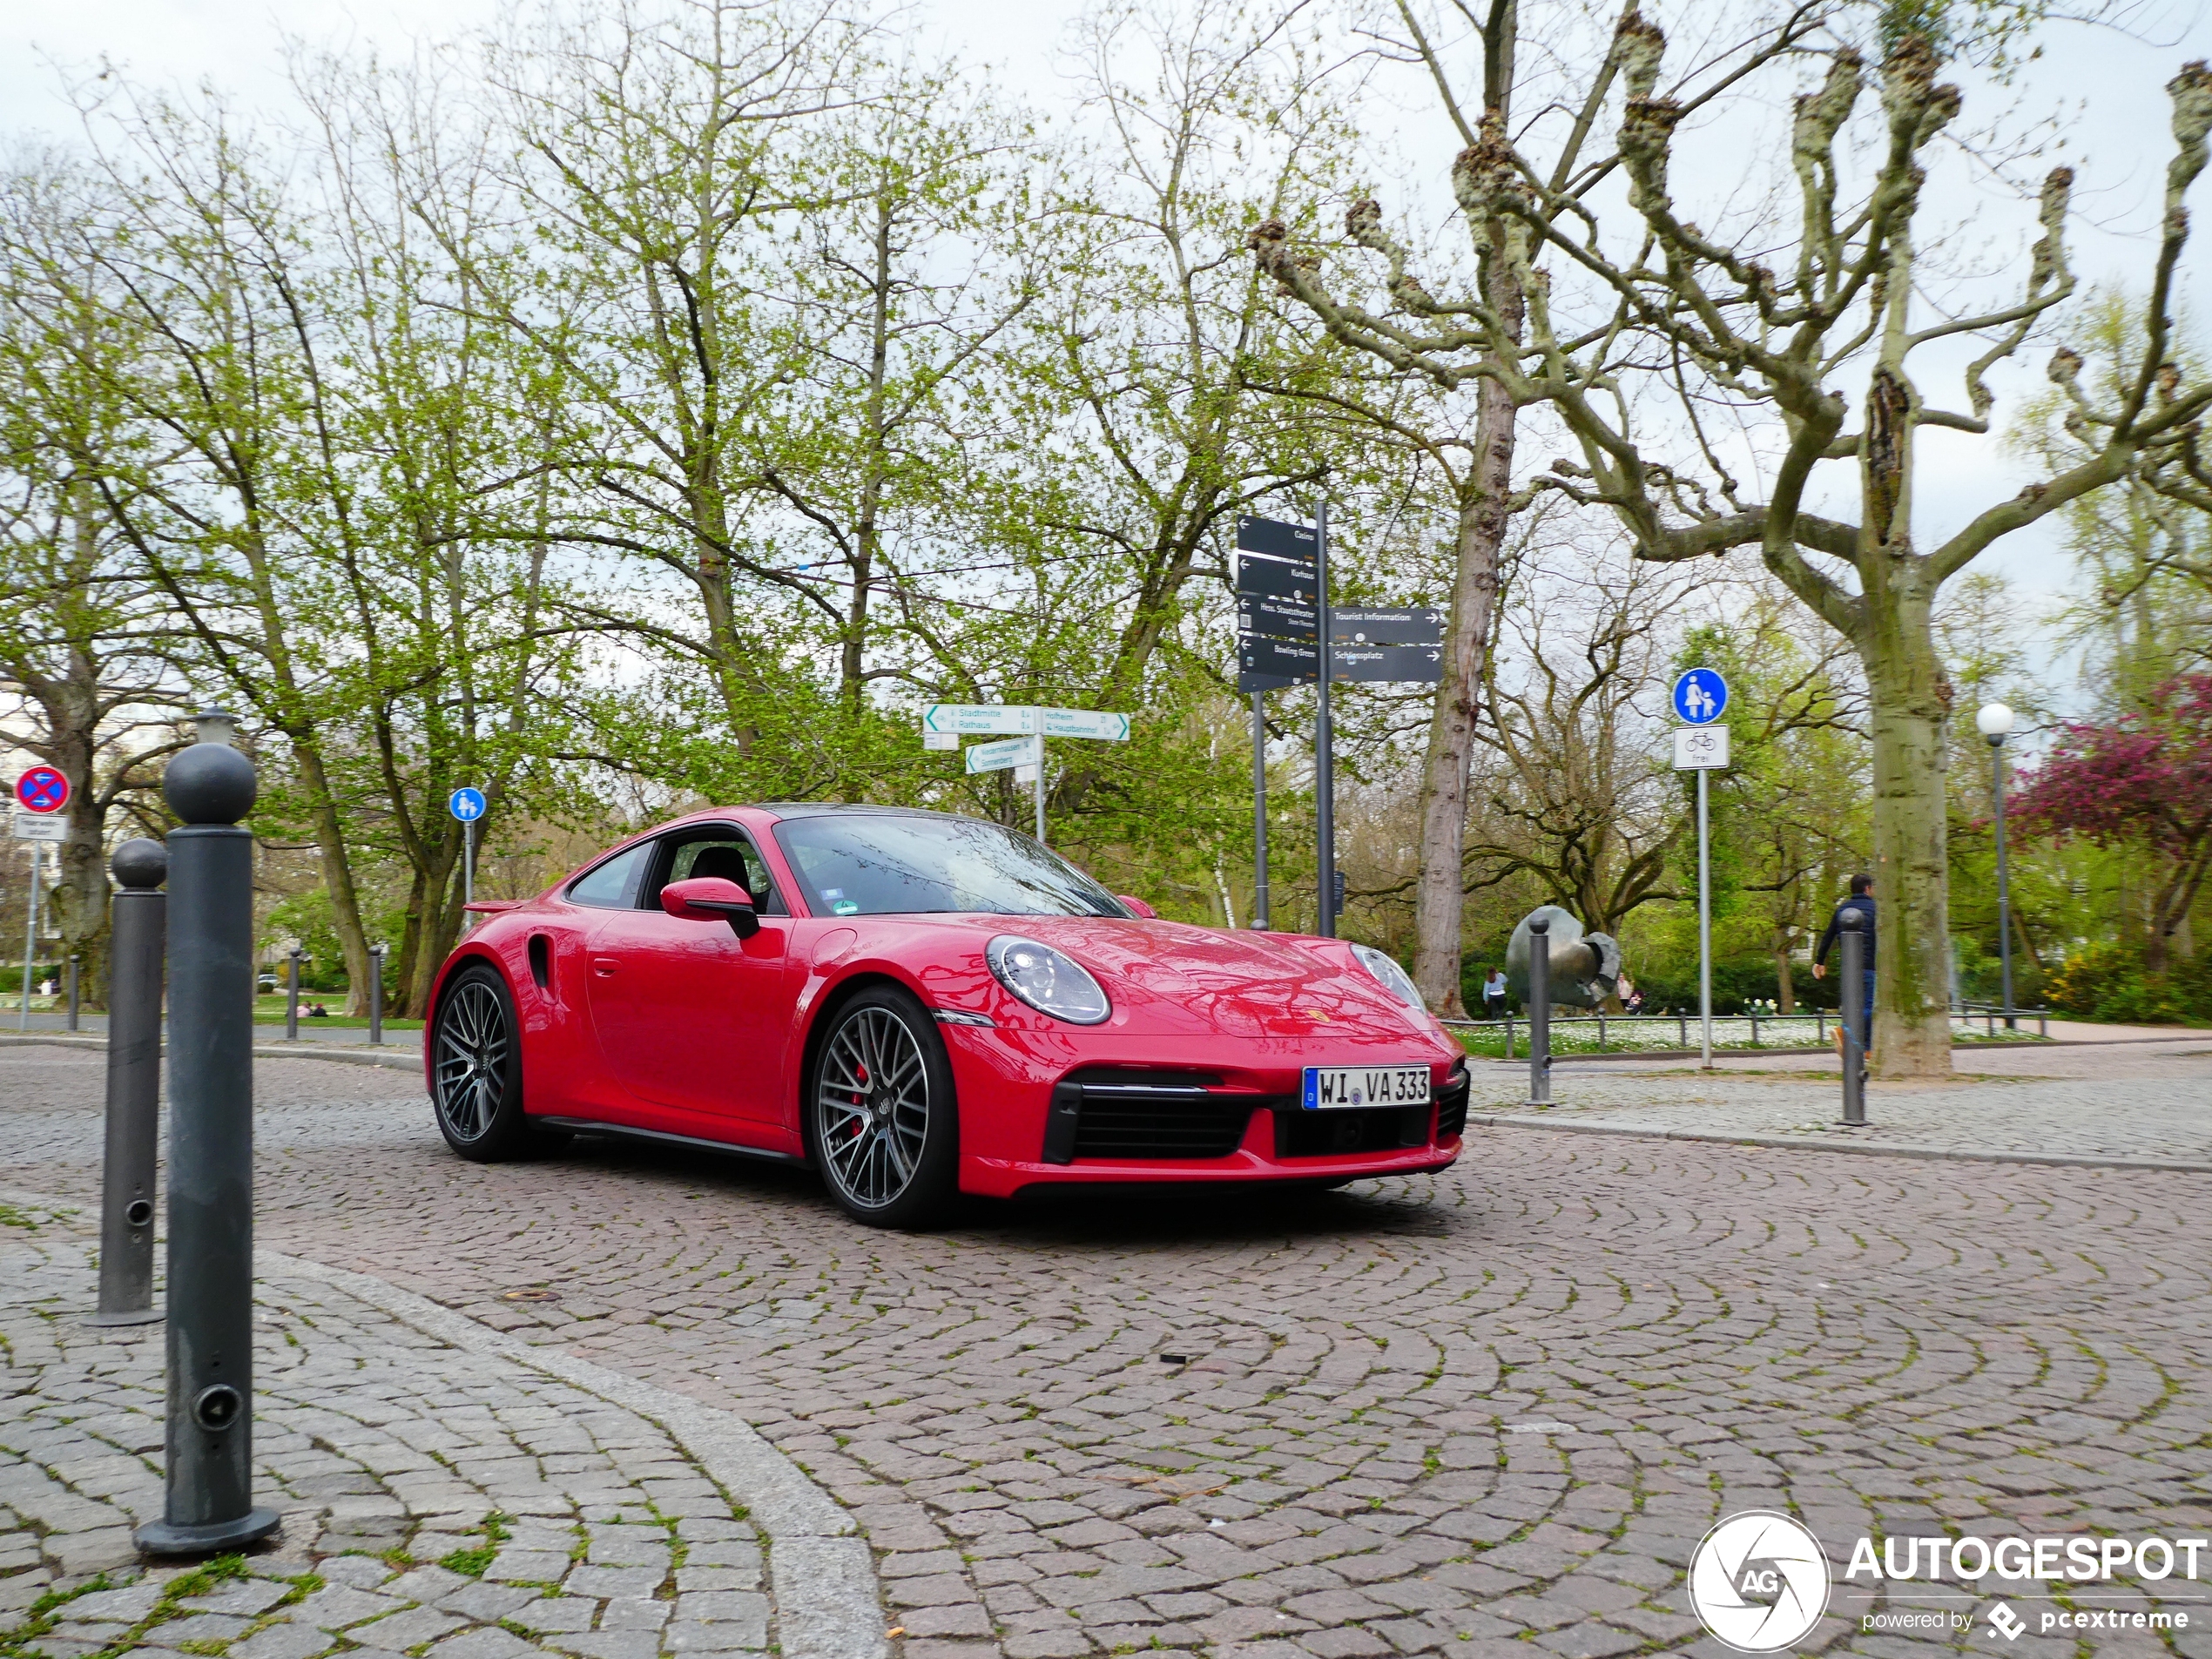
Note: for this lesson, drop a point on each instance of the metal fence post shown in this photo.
(208, 1507)
(1508, 1036)
(134, 1084)
(73, 993)
(1539, 1012)
(292, 995)
(1853, 1019)
(376, 989)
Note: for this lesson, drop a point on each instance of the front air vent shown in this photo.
(1335, 1134)
(1125, 1113)
(1452, 1103)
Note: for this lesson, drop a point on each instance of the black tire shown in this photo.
(881, 1115)
(478, 1066)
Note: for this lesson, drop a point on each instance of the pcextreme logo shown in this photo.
(1758, 1582)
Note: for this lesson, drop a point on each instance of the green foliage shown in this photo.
(2108, 982)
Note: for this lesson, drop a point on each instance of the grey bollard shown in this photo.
(1539, 1012)
(1853, 1019)
(208, 1506)
(376, 991)
(291, 998)
(133, 1085)
(73, 993)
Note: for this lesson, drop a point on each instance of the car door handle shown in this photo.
(603, 966)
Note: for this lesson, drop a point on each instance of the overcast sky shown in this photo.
(2105, 86)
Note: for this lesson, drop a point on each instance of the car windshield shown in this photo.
(867, 865)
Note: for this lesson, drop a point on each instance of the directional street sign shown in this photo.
(42, 790)
(1086, 723)
(979, 719)
(1300, 660)
(1271, 535)
(39, 826)
(1409, 625)
(997, 757)
(1700, 695)
(1248, 681)
(1278, 578)
(467, 804)
(1278, 618)
(1701, 748)
(1422, 663)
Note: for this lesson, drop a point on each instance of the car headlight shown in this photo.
(1049, 980)
(1395, 980)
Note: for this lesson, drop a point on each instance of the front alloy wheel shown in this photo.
(478, 1088)
(884, 1123)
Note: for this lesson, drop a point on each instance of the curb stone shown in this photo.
(395, 1058)
(1814, 1144)
(828, 1604)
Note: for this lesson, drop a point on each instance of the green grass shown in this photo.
(269, 1010)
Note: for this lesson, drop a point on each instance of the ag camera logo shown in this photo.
(1758, 1582)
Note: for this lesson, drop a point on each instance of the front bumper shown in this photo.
(1046, 1114)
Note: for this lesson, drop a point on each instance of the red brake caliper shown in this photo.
(859, 1102)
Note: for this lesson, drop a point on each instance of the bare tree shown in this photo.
(1649, 294)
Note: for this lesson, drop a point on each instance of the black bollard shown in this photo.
(376, 990)
(209, 1504)
(133, 1085)
(1539, 1012)
(73, 993)
(292, 996)
(1855, 1015)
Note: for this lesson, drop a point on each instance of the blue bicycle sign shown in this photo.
(467, 804)
(1699, 695)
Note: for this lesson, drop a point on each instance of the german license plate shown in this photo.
(1348, 1088)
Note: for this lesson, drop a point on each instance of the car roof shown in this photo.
(855, 809)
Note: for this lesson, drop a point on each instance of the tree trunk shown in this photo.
(1911, 710)
(1485, 513)
(1785, 981)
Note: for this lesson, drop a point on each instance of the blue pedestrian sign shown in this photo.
(467, 804)
(1699, 695)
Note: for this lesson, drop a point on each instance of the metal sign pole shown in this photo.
(1039, 780)
(1705, 932)
(469, 862)
(1259, 809)
(30, 938)
(1325, 780)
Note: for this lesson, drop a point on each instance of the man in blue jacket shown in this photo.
(1861, 899)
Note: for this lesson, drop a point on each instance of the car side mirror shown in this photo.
(711, 898)
(1138, 906)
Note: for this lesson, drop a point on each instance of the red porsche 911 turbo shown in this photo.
(919, 1004)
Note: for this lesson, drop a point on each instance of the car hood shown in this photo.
(1167, 976)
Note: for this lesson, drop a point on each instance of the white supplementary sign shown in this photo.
(997, 757)
(38, 826)
(1701, 748)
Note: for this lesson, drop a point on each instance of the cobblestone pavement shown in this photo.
(1483, 1414)
(2148, 1100)
(431, 1496)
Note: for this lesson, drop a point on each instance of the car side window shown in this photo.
(610, 886)
(718, 850)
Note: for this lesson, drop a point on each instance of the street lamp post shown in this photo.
(1994, 722)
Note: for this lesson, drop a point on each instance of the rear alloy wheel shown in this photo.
(884, 1126)
(477, 1068)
